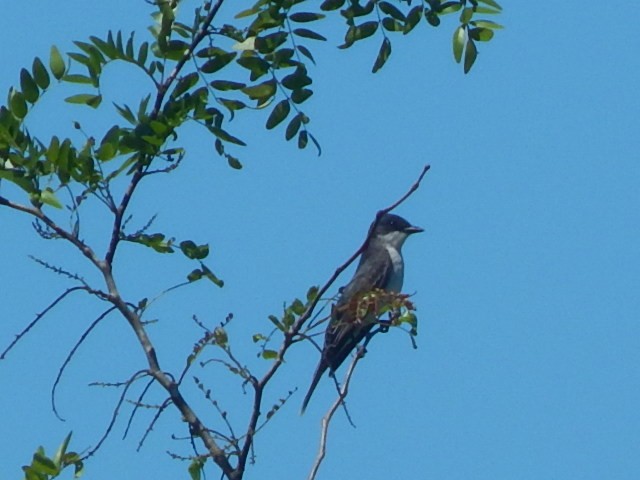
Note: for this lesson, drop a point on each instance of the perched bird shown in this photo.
(381, 267)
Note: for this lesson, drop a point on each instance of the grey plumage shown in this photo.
(381, 267)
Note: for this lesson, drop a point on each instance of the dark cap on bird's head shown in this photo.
(394, 223)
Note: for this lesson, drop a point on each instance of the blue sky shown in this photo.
(526, 278)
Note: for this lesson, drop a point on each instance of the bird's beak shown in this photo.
(413, 229)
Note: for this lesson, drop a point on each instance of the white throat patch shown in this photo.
(397, 275)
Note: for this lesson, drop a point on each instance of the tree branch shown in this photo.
(202, 33)
(326, 420)
(38, 318)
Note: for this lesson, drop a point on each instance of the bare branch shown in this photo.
(135, 408)
(61, 370)
(326, 420)
(114, 416)
(39, 316)
(19, 207)
(60, 271)
(156, 417)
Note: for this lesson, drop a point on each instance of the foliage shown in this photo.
(45, 468)
(204, 73)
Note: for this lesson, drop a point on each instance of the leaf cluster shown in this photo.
(43, 467)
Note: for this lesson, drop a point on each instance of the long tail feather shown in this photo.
(314, 383)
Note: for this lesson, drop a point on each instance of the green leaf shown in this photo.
(303, 17)
(293, 127)
(470, 55)
(303, 139)
(218, 62)
(269, 354)
(143, 52)
(129, 48)
(283, 58)
(278, 114)
(225, 85)
(297, 80)
(47, 196)
(329, 5)
(18, 178)
(392, 10)
(487, 10)
(299, 96)
(231, 104)
(126, 113)
(40, 74)
(491, 3)
(195, 468)
(481, 34)
(273, 319)
(108, 47)
(487, 24)
(158, 127)
(383, 55)
(432, 18)
(85, 98)
(268, 43)
(306, 33)
(225, 136)
(155, 240)
(262, 91)
(233, 162)
(193, 251)
(305, 51)
(249, 12)
(184, 84)
(209, 52)
(62, 450)
(44, 465)
(258, 337)
(210, 275)
(56, 63)
(77, 78)
(297, 307)
(18, 104)
(392, 25)
(459, 37)
(174, 50)
(312, 293)
(106, 152)
(466, 15)
(413, 18)
(195, 275)
(256, 65)
(365, 30)
(449, 7)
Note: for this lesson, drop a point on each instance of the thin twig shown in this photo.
(137, 405)
(37, 319)
(61, 370)
(326, 420)
(114, 416)
(156, 417)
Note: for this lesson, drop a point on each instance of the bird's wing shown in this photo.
(345, 330)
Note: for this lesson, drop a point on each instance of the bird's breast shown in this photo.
(396, 277)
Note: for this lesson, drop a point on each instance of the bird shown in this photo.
(381, 267)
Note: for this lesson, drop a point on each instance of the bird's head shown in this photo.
(393, 230)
